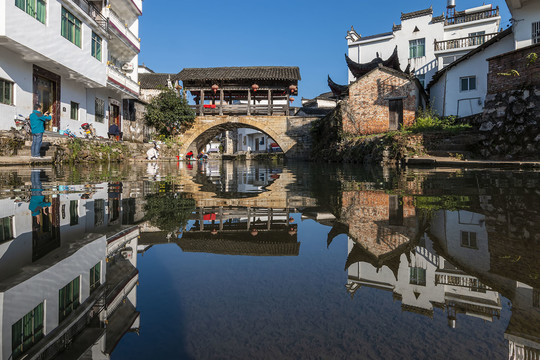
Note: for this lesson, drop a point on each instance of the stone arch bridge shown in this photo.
(291, 133)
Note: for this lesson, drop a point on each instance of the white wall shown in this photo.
(455, 99)
(525, 16)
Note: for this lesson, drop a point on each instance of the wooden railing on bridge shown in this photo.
(241, 109)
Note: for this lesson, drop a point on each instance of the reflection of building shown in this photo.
(62, 262)
(415, 273)
(241, 231)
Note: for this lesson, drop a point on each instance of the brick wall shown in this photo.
(529, 74)
(367, 108)
(368, 216)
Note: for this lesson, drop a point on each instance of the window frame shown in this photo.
(471, 241)
(535, 34)
(99, 117)
(97, 51)
(72, 299)
(414, 46)
(76, 117)
(10, 233)
(73, 212)
(414, 276)
(6, 84)
(69, 24)
(468, 78)
(19, 344)
(95, 277)
(35, 10)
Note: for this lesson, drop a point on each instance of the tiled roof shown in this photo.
(414, 14)
(156, 81)
(241, 73)
(437, 19)
(375, 36)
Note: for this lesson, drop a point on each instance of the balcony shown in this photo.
(240, 109)
(119, 28)
(460, 280)
(122, 82)
(465, 18)
(92, 11)
(463, 43)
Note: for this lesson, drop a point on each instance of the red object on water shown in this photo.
(209, 217)
(209, 106)
(178, 157)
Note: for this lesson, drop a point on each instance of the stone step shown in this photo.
(442, 153)
(448, 147)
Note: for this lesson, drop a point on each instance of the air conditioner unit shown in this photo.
(127, 67)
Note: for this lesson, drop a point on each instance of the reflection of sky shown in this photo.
(215, 306)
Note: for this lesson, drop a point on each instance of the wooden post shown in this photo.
(270, 216)
(221, 101)
(248, 217)
(249, 102)
(269, 102)
(287, 110)
(201, 104)
(221, 218)
(201, 219)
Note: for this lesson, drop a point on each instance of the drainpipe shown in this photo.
(444, 96)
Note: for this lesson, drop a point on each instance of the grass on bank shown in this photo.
(427, 120)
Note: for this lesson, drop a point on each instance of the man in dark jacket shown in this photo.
(37, 124)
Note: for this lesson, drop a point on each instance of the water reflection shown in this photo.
(456, 247)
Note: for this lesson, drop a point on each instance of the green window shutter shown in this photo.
(16, 337)
(41, 11)
(63, 27)
(20, 4)
(30, 7)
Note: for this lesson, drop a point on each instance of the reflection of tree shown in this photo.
(168, 211)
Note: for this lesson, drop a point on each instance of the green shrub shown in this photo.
(428, 120)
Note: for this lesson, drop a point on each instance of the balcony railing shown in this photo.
(461, 281)
(464, 18)
(116, 23)
(241, 109)
(121, 80)
(92, 11)
(471, 41)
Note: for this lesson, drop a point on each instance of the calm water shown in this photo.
(249, 261)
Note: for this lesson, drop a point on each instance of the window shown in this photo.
(26, 332)
(468, 83)
(71, 27)
(69, 298)
(468, 240)
(96, 46)
(73, 212)
(418, 276)
(100, 110)
(417, 48)
(95, 277)
(99, 212)
(35, 8)
(536, 32)
(74, 111)
(6, 92)
(6, 229)
(447, 60)
(477, 38)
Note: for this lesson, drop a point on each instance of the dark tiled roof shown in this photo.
(437, 19)
(375, 36)
(241, 73)
(414, 14)
(441, 72)
(156, 81)
(315, 111)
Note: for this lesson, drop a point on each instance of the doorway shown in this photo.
(46, 89)
(114, 115)
(396, 114)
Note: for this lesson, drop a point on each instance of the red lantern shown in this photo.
(293, 88)
(255, 87)
(215, 87)
(291, 99)
(254, 232)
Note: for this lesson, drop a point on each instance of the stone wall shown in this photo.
(137, 130)
(509, 124)
(366, 111)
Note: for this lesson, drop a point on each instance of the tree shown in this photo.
(168, 211)
(169, 113)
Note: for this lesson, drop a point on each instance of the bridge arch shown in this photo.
(206, 128)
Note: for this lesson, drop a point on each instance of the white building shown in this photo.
(78, 59)
(461, 87)
(251, 140)
(426, 42)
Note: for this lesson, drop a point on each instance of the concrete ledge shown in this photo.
(455, 163)
(24, 160)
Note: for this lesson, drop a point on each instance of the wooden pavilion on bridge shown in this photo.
(257, 90)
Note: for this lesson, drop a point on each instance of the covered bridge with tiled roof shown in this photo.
(251, 90)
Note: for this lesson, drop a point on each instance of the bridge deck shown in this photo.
(240, 109)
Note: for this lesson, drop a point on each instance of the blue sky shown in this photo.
(309, 34)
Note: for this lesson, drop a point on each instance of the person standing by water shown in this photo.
(37, 124)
